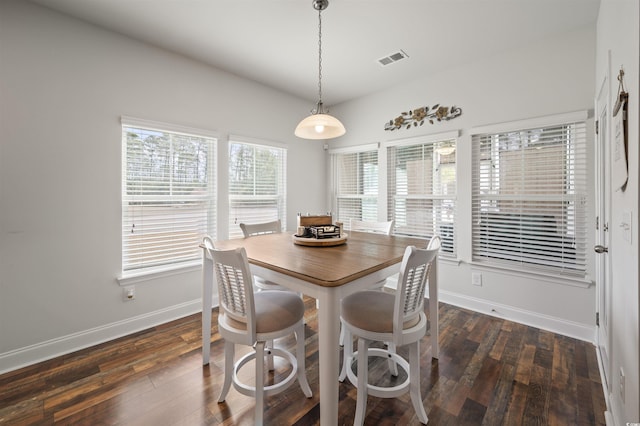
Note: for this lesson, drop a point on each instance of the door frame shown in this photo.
(602, 233)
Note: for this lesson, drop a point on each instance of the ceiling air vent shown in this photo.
(394, 57)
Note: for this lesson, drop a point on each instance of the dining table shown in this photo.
(327, 273)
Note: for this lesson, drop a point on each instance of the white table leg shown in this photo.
(329, 353)
(207, 296)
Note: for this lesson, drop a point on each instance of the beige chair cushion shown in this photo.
(275, 310)
(372, 311)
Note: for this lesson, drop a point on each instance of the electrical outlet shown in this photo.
(622, 384)
(128, 293)
(476, 278)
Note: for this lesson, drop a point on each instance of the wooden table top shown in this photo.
(363, 254)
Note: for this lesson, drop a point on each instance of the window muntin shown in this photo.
(356, 185)
(528, 199)
(257, 185)
(421, 188)
(168, 196)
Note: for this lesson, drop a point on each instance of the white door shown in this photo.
(603, 211)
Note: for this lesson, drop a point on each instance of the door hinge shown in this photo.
(597, 126)
(597, 319)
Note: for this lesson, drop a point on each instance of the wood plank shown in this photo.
(29, 411)
(514, 344)
(500, 344)
(500, 397)
(514, 412)
(537, 406)
(486, 381)
(485, 348)
(564, 386)
(472, 412)
(525, 363)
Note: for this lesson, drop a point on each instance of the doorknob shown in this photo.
(601, 249)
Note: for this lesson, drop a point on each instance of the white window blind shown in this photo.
(528, 199)
(257, 185)
(355, 185)
(421, 190)
(168, 195)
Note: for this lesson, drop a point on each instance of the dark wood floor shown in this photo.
(490, 372)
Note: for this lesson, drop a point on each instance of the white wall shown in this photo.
(619, 36)
(63, 88)
(549, 77)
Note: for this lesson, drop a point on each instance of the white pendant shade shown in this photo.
(446, 150)
(320, 126)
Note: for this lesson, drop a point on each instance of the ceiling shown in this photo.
(275, 42)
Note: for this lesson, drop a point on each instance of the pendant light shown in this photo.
(446, 148)
(320, 125)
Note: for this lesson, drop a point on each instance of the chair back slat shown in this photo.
(231, 287)
(415, 272)
(415, 289)
(235, 285)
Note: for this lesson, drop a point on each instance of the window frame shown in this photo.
(361, 182)
(425, 142)
(129, 273)
(574, 164)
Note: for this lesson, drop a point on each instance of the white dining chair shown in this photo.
(392, 284)
(208, 242)
(371, 226)
(252, 318)
(252, 229)
(399, 318)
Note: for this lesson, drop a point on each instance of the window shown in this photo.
(528, 199)
(421, 190)
(257, 185)
(168, 194)
(355, 177)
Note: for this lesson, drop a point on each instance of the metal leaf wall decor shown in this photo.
(418, 116)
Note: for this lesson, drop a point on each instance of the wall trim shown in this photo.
(545, 322)
(53, 348)
(530, 123)
(608, 414)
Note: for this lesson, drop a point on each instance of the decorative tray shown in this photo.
(320, 242)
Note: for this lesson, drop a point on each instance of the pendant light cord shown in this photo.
(319, 59)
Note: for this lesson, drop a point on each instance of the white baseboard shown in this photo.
(608, 416)
(43, 351)
(557, 325)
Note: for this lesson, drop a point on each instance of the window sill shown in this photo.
(542, 276)
(134, 277)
